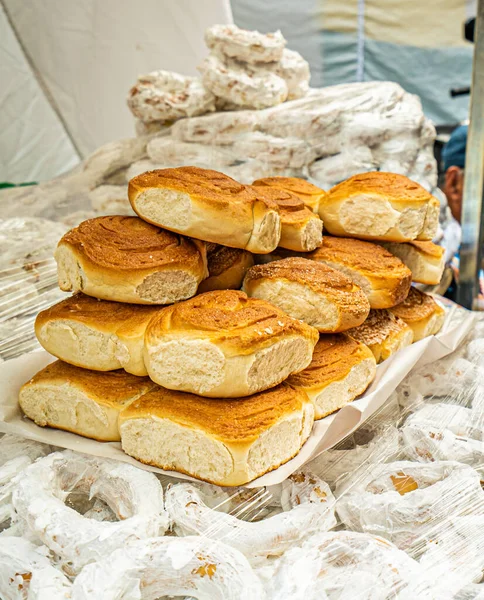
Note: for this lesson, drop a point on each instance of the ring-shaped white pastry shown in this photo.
(231, 81)
(170, 566)
(167, 96)
(27, 573)
(308, 507)
(16, 454)
(347, 565)
(337, 464)
(454, 553)
(403, 500)
(135, 496)
(248, 46)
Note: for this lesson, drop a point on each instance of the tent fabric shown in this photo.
(85, 56)
(34, 144)
(419, 45)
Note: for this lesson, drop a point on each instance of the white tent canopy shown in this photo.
(66, 68)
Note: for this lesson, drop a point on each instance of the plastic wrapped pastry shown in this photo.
(342, 565)
(244, 45)
(310, 508)
(162, 566)
(167, 96)
(403, 500)
(26, 572)
(136, 497)
(233, 82)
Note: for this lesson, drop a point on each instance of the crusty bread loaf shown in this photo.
(421, 313)
(341, 370)
(230, 442)
(96, 334)
(226, 268)
(82, 401)
(301, 229)
(127, 260)
(309, 291)
(207, 205)
(224, 344)
(310, 194)
(380, 206)
(383, 278)
(425, 259)
(383, 333)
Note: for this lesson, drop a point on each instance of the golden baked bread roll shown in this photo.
(421, 313)
(231, 442)
(226, 268)
(85, 402)
(301, 229)
(207, 205)
(383, 278)
(224, 344)
(309, 193)
(127, 260)
(383, 333)
(380, 206)
(309, 291)
(96, 334)
(341, 370)
(425, 259)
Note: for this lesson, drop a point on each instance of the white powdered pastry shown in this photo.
(220, 128)
(167, 96)
(141, 166)
(458, 419)
(16, 454)
(28, 240)
(337, 464)
(173, 153)
(403, 500)
(167, 566)
(343, 565)
(111, 200)
(473, 591)
(248, 46)
(295, 71)
(427, 443)
(16, 295)
(454, 555)
(134, 495)
(283, 153)
(307, 501)
(338, 167)
(27, 573)
(444, 432)
(233, 82)
(449, 377)
(475, 352)
(254, 169)
(155, 127)
(75, 218)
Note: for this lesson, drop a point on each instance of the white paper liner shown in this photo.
(325, 434)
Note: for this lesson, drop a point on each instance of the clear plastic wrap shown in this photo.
(395, 510)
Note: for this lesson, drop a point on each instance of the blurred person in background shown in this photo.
(454, 158)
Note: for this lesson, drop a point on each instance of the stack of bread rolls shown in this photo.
(208, 333)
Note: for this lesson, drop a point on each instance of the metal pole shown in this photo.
(472, 226)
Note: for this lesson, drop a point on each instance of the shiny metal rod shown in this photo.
(472, 209)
